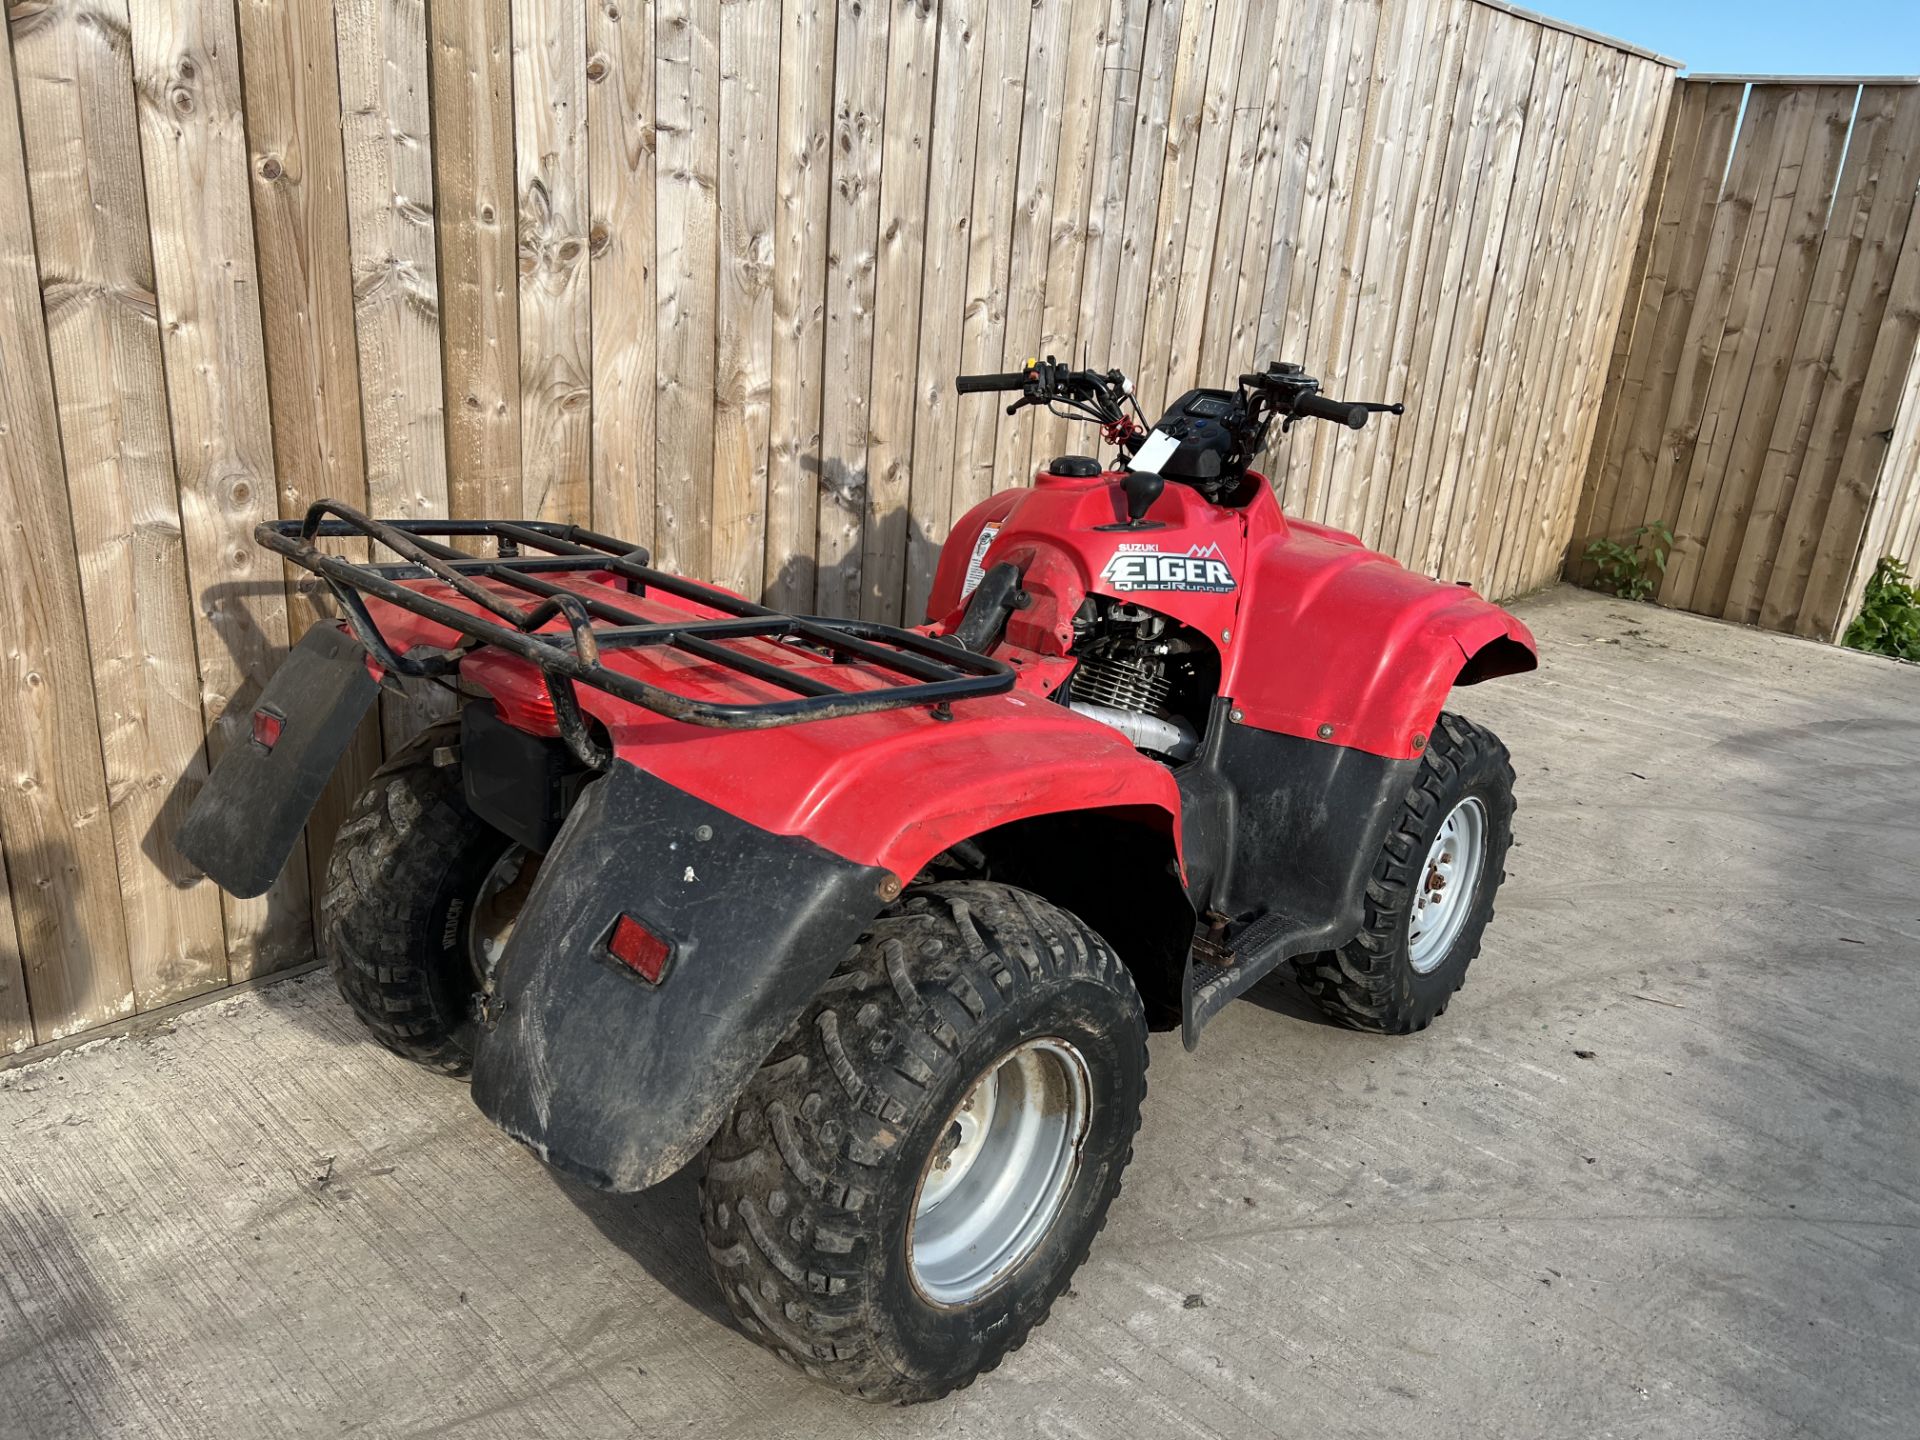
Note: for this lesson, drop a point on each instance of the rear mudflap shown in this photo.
(621, 1081)
(243, 824)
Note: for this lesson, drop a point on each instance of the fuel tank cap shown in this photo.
(1074, 467)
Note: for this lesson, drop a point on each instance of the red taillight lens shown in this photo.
(639, 949)
(267, 725)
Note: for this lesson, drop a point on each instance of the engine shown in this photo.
(1148, 677)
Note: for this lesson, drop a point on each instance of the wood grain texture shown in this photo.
(984, 343)
(96, 275)
(686, 239)
(1166, 24)
(1757, 369)
(912, 44)
(1652, 266)
(54, 816)
(1116, 120)
(1805, 189)
(622, 182)
(1861, 472)
(803, 169)
(1809, 528)
(476, 216)
(954, 133)
(387, 134)
(1050, 45)
(1172, 197)
(743, 375)
(1074, 162)
(1635, 127)
(1808, 367)
(291, 89)
(853, 239)
(193, 145)
(556, 342)
(1690, 199)
(1477, 494)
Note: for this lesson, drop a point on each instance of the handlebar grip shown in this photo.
(985, 384)
(1319, 407)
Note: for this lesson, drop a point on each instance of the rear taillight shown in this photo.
(639, 949)
(267, 725)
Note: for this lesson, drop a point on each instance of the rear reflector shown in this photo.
(639, 949)
(267, 725)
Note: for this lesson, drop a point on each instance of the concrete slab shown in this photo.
(1653, 1175)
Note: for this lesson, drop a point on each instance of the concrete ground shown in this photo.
(1656, 1173)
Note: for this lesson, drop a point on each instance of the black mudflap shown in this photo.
(621, 1081)
(243, 824)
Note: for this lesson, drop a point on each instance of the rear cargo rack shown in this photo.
(932, 672)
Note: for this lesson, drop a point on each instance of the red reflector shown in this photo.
(266, 728)
(639, 949)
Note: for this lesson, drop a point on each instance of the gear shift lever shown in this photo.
(1142, 488)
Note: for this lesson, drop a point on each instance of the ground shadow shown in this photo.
(1281, 994)
(659, 1230)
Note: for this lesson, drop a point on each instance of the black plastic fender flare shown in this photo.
(619, 1081)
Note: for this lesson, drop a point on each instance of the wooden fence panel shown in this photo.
(193, 145)
(89, 214)
(1763, 436)
(955, 133)
(475, 217)
(743, 336)
(701, 272)
(54, 813)
(292, 96)
(802, 175)
(550, 149)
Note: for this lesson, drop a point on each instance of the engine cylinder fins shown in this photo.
(1122, 684)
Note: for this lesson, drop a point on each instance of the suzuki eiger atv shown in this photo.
(879, 917)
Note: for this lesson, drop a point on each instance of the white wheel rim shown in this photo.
(1446, 884)
(999, 1174)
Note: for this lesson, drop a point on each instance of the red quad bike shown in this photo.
(880, 918)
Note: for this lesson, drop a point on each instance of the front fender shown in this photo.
(621, 1082)
(1344, 645)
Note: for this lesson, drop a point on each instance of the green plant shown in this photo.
(1632, 571)
(1889, 621)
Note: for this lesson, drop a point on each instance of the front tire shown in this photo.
(912, 1177)
(1431, 893)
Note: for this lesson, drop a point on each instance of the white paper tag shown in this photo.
(976, 564)
(1154, 452)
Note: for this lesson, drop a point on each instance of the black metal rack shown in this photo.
(934, 672)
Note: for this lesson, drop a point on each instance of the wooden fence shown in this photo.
(1764, 350)
(701, 273)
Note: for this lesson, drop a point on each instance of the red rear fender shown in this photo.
(896, 788)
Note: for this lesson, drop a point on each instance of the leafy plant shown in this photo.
(1889, 621)
(1633, 570)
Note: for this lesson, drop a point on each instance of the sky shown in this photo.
(1768, 37)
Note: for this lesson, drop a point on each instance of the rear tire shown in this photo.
(401, 883)
(1397, 975)
(825, 1193)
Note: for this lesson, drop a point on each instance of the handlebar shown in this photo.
(985, 384)
(1320, 407)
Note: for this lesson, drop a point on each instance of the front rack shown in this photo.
(933, 672)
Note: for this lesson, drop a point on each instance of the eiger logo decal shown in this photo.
(1148, 567)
